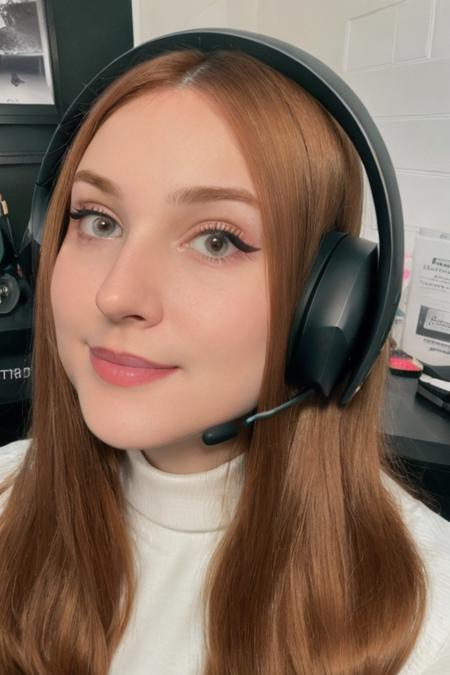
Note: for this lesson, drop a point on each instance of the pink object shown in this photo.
(401, 363)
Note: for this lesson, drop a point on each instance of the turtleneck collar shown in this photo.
(184, 502)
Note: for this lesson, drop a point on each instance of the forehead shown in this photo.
(169, 137)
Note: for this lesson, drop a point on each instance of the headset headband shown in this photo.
(335, 96)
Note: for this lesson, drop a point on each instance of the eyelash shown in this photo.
(243, 248)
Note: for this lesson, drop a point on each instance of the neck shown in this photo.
(193, 456)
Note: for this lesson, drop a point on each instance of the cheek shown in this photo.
(72, 282)
(232, 329)
(62, 288)
(66, 297)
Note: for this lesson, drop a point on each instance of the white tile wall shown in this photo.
(214, 14)
(243, 14)
(366, 6)
(151, 19)
(371, 39)
(422, 192)
(425, 194)
(418, 142)
(394, 33)
(159, 18)
(441, 39)
(404, 89)
(414, 21)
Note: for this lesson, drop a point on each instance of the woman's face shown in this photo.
(142, 278)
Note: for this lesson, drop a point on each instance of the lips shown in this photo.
(125, 359)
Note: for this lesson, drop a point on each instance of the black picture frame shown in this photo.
(47, 114)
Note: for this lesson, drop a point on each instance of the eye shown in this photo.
(102, 221)
(218, 239)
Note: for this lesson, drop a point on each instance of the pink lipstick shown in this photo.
(126, 370)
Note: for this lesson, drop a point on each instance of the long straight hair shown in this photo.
(317, 573)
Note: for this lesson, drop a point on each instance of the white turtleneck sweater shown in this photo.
(176, 520)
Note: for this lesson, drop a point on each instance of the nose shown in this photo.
(134, 284)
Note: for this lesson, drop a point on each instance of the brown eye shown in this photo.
(215, 243)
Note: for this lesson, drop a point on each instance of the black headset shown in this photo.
(348, 303)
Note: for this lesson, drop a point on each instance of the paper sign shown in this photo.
(426, 333)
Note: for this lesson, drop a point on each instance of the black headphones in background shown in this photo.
(348, 304)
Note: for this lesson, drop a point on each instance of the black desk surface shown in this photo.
(415, 427)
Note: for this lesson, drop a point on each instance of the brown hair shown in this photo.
(317, 572)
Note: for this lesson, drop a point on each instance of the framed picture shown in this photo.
(27, 83)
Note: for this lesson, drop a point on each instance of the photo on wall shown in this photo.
(25, 72)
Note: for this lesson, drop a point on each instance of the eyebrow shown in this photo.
(187, 195)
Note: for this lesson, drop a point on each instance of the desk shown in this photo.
(416, 429)
(419, 434)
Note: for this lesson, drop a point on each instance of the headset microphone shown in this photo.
(223, 432)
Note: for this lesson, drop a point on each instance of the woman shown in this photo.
(126, 545)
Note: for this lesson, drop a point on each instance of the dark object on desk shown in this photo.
(434, 385)
(436, 395)
(440, 372)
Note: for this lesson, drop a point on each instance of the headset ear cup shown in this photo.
(333, 313)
